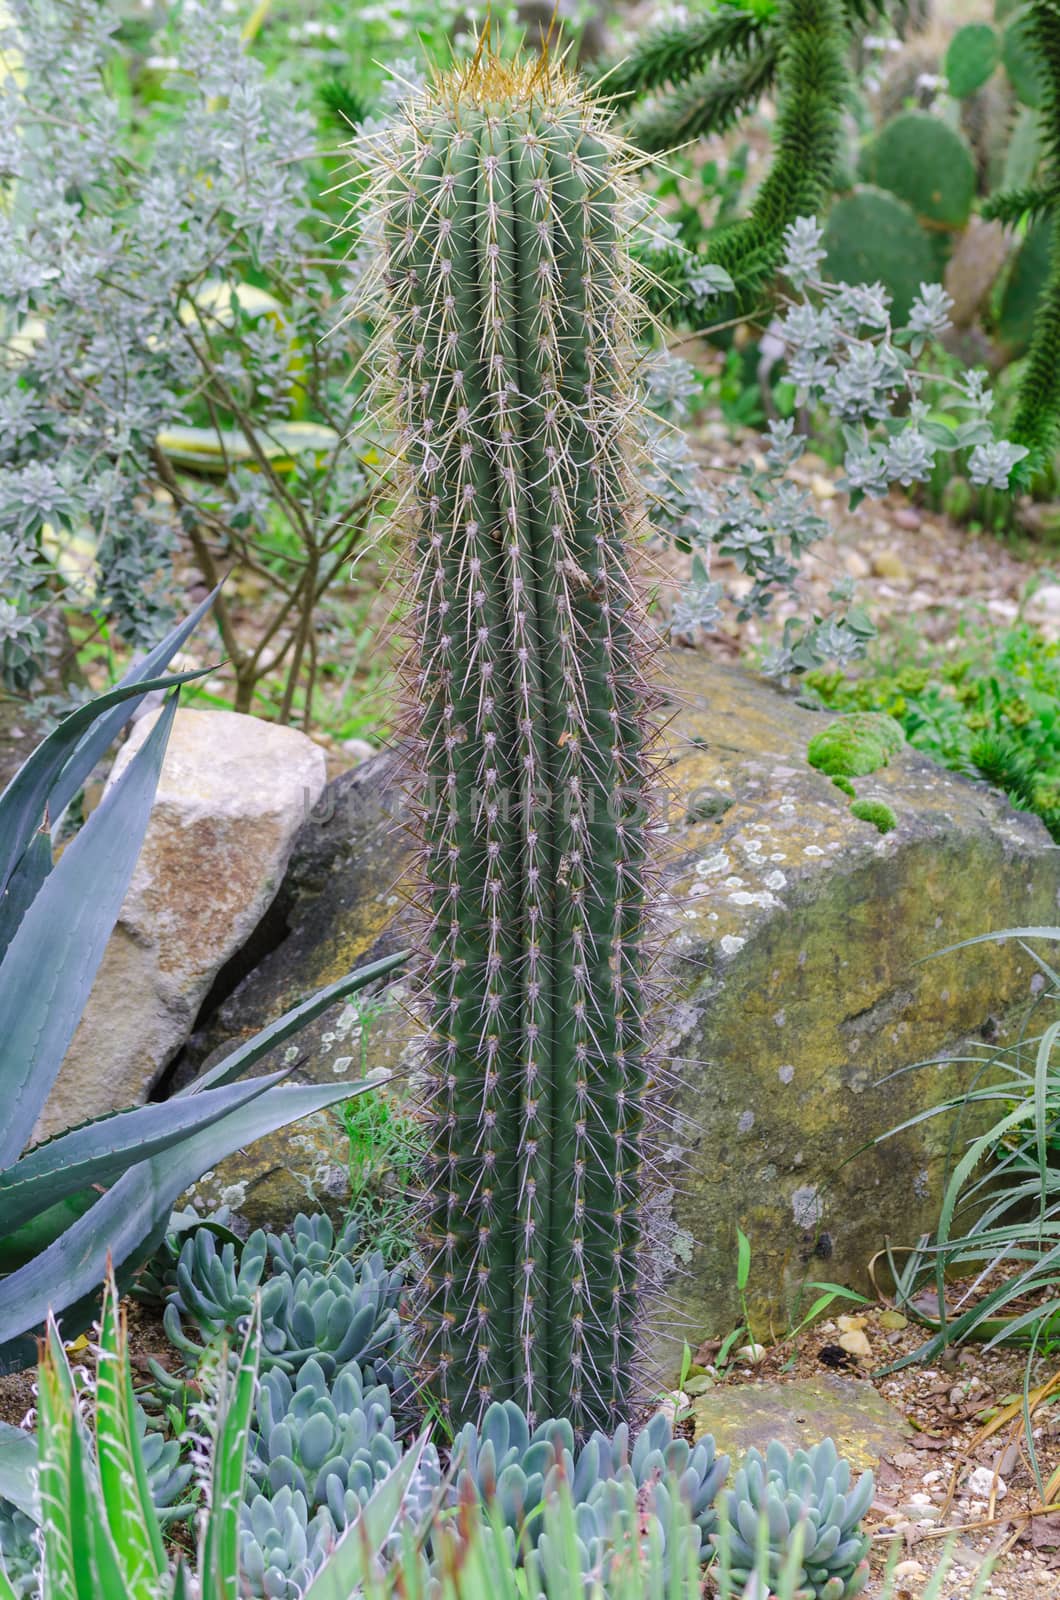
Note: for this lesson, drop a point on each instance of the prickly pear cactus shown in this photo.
(972, 55)
(926, 163)
(506, 311)
(873, 237)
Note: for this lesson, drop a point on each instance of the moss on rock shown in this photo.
(881, 816)
(854, 746)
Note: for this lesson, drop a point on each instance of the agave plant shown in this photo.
(108, 1185)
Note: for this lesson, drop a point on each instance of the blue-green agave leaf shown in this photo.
(49, 967)
(246, 1055)
(105, 729)
(24, 885)
(98, 1152)
(129, 1217)
(18, 1466)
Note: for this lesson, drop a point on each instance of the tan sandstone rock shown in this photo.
(233, 793)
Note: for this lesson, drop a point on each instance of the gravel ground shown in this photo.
(941, 1487)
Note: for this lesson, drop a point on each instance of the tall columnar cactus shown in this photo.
(506, 308)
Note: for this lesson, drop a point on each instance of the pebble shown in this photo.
(981, 1483)
(893, 1320)
(908, 518)
(855, 1343)
(754, 1353)
(359, 749)
(889, 564)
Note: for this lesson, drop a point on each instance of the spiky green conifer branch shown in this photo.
(1013, 206)
(1037, 420)
(709, 102)
(679, 50)
(811, 81)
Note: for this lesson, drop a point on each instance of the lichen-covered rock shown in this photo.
(233, 794)
(793, 977)
(849, 1411)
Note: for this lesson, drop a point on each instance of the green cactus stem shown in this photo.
(505, 312)
(1037, 420)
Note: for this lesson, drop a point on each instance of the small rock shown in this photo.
(1043, 609)
(822, 488)
(856, 1344)
(909, 1569)
(855, 564)
(233, 794)
(672, 1405)
(893, 1321)
(852, 1324)
(981, 1483)
(358, 750)
(753, 1353)
(800, 1412)
(889, 564)
(909, 519)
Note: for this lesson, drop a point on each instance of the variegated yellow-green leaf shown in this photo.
(216, 450)
(219, 1574)
(213, 301)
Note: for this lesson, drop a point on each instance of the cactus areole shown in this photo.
(507, 311)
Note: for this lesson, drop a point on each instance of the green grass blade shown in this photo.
(1041, 1110)
(49, 967)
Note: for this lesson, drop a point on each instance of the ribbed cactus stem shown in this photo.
(506, 307)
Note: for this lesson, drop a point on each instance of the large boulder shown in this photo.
(233, 795)
(796, 976)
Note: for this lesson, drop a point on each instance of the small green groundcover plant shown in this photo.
(989, 708)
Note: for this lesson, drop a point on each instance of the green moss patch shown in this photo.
(854, 746)
(881, 816)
